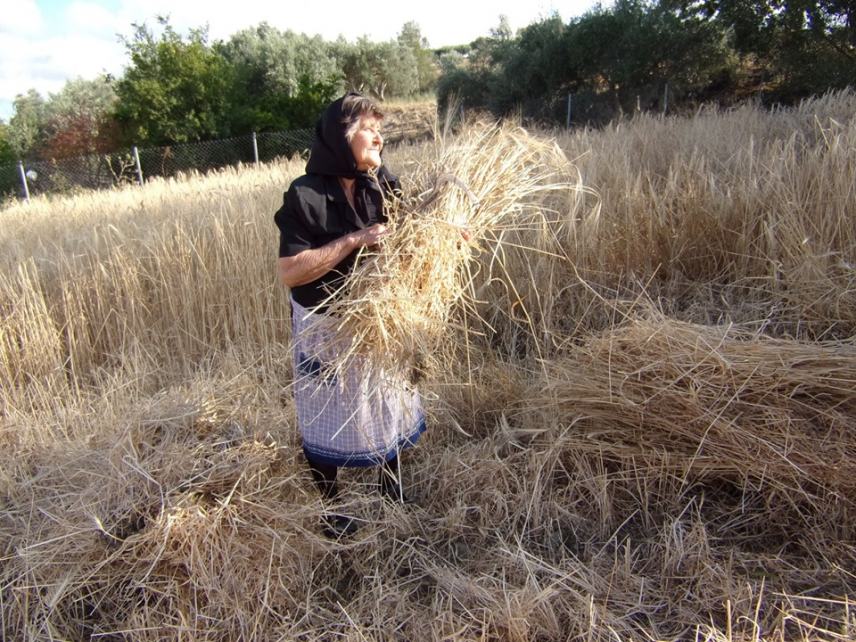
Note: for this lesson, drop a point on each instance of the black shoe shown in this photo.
(335, 526)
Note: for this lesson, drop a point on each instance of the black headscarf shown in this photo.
(331, 155)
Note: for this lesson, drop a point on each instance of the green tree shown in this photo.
(472, 75)
(410, 37)
(793, 47)
(379, 68)
(397, 72)
(356, 61)
(613, 55)
(278, 80)
(534, 67)
(79, 119)
(636, 47)
(27, 127)
(7, 154)
(174, 89)
(9, 184)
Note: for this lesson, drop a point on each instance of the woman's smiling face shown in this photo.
(367, 143)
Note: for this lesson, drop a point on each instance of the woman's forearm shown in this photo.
(309, 265)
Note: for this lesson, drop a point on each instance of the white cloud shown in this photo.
(80, 55)
(17, 66)
(46, 64)
(88, 17)
(24, 17)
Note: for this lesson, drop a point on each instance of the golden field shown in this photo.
(642, 416)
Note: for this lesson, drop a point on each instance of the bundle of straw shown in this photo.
(708, 402)
(395, 308)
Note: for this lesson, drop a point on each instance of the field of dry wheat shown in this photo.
(642, 400)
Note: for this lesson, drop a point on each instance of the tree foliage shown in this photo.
(181, 88)
(80, 119)
(799, 47)
(7, 154)
(410, 38)
(77, 120)
(174, 89)
(613, 60)
(27, 131)
(379, 68)
(636, 48)
(278, 80)
(619, 58)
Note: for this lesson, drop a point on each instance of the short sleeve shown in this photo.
(294, 235)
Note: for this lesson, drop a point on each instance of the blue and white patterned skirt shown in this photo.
(359, 417)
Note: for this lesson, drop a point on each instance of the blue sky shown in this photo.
(43, 43)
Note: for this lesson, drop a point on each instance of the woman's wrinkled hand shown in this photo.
(370, 236)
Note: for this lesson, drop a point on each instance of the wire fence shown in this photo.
(98, 171)
(591, 108)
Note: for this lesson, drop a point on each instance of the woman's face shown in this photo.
(367, 143)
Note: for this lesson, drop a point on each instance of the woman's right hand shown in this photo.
(312, 264)
(370, 235)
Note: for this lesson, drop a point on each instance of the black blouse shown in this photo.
(315, 209)
(315, 212)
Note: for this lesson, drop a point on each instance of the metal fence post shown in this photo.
(139, 167)
(24, 181)
(255, 148)
(568, 117)
(666, 99)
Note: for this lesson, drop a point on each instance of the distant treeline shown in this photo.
(181, 88)
(638, 55)
(634, 55)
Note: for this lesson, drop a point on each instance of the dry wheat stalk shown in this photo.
(129, 513)
(711, 402)
(396, 306)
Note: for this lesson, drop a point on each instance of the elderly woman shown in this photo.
(328, 215)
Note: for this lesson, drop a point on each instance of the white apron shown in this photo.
(350, 418)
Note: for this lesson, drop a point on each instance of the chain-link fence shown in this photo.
(10, 182)
(135, 165)
(589, 108)
(204, 156)
(108, 170)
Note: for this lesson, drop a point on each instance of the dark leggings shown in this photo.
(325, 475)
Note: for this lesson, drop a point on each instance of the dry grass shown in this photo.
(644, 429)
(737, 215)
(397, 305)
(408, 120)
(150, 280)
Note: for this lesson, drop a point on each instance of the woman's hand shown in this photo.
(370, 236)
(309, 265)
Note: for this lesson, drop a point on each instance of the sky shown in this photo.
(44, 43)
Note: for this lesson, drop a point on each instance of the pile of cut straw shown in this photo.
(707, 402)
(396, 306)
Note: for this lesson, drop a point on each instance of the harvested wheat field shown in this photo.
(640, 373)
